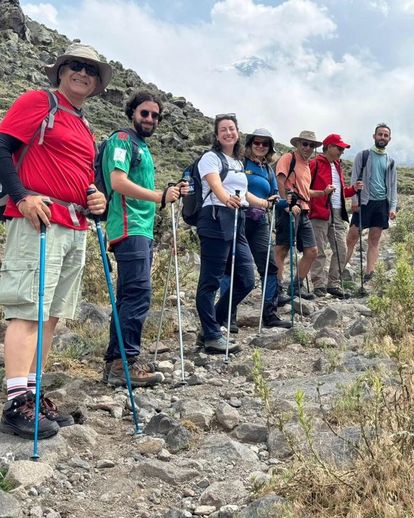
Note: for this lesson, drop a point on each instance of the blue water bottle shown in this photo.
(189, 179)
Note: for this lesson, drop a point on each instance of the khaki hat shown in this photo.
(83, 53)
(305, 135)
(261, 132)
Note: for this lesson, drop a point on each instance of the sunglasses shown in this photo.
(154, 115)
(77, 66)
(259, 143)
(225, 116)
(308, 144)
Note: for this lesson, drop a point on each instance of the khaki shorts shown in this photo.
(19, 273)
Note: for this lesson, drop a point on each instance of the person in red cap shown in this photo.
(329, 216)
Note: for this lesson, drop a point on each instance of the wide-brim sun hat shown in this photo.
(81, 52)
(261, 132)
(306, 135)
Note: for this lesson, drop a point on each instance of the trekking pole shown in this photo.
(361, 268)
(39, 345)
(269, 246)
(336, 246)
(297, 267)
(164, 297)
(292, 280)
(233, 261)
(115, 316)
(177, 285)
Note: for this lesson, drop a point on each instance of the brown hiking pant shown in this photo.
(324, 233)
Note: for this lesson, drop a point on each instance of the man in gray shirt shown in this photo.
(378, 198)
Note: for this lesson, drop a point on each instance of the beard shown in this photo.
(143, 132)
(380, 144)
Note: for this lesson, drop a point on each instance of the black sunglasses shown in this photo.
(154, 115)
(308, 144)
(259, 143)
(225, 116)
(77, 66)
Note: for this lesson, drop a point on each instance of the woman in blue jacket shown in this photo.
(258, 156)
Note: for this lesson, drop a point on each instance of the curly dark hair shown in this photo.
(138, 98)
(237, 150)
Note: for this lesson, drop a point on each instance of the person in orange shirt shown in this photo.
(294, 176)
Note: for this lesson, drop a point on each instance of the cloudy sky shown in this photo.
(332, 66)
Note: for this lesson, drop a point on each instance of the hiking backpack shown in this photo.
(47, 123)
(99, 175)
(365, 155)
(193, 203)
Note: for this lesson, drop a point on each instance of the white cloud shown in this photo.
(304, 89)
(45, 12)
(381, 5)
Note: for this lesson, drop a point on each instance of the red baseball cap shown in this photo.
(335, 140)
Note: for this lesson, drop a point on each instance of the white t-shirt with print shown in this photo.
(336, 182)
(235, 180)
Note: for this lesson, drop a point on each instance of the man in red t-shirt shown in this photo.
(46, 171)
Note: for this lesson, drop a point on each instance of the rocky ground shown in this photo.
(205, 445)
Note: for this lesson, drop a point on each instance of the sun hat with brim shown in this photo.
(81, 52)
(305, 135)
(335, 140)
(261, 132)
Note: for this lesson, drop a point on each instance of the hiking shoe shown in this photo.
(51, 412)
(19, 418)
(304, 294)
(368, 277)
(200, 339)
(139, 372)
(219, 346)
(274, 320)
(234, 328)
(149, 366)
(338, 293)
(319, 292)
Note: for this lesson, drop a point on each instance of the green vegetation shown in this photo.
(5, 485)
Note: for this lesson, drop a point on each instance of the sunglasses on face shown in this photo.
(77, 66)
(340, 149)
(308, 144)
(259, 143)
(154, 115)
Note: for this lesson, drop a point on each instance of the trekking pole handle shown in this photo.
(90, 191)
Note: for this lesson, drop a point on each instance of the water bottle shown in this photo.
(189, 179)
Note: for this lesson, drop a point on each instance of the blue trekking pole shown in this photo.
(292, 278)
(39, 346)
(115, 316)
(233, 261)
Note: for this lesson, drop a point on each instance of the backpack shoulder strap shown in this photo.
(224, 165)
(365, 155)
(292, 164)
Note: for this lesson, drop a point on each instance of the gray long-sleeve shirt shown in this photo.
(390, 180)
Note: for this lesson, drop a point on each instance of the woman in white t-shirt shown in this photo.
(215, 227)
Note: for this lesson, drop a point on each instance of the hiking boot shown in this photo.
(51, 412)
(234, 328)
(319, 292)
(139, 372)
(368, 277)
(282, 299)
(219, 346)
(19, 418)
(338, 293)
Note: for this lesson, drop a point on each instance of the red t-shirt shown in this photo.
(61, 167)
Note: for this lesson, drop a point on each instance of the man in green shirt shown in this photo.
(130, 180)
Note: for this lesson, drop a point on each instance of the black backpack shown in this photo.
(99, 175)
(192, 204)
(47, 124)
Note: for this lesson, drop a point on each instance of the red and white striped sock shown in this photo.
(31, 382)
(16, 387)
